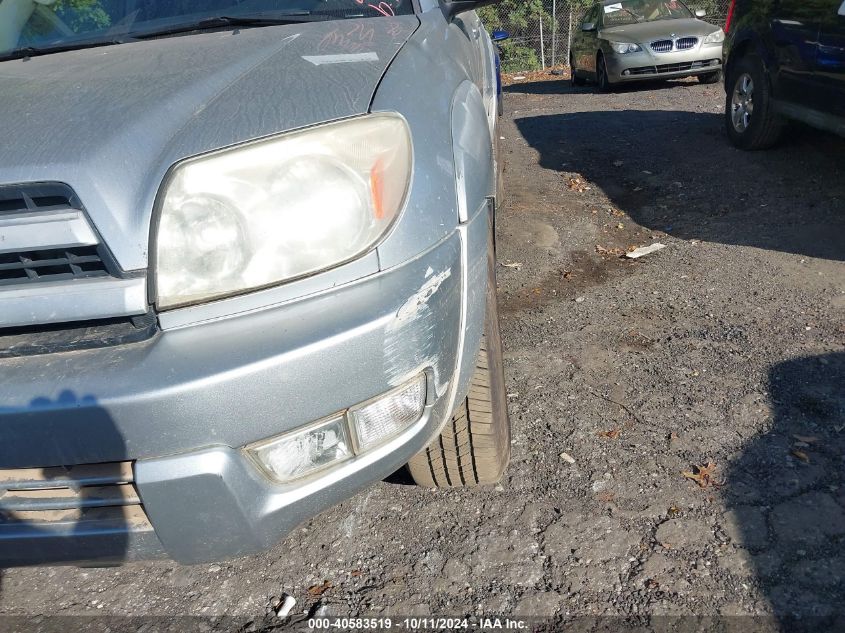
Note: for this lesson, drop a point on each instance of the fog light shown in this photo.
(626, 72)
(305, 451)
(377, 421)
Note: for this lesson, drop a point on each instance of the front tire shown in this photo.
(574, 80)
(750, 120)
(602, 79)
(474, 446)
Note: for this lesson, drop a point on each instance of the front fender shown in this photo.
(472, 148)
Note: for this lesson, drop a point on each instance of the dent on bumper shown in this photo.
(249, 513)
(238, 380)
(182, 404)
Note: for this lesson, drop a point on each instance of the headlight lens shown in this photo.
(270, 211)
(716, 37)
(625, 47)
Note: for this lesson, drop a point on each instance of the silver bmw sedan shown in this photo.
(635, 40)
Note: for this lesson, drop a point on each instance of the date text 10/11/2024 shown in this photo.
(418, 624)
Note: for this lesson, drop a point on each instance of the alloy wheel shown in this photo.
(742, 102)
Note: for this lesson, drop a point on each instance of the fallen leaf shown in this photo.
(567, 274)
(517, 265)
(606, 496)
(800, 455)
(567, 458)
(578, 184)
(674, 511)
(319, 590)
(703, 475)
(611, 434)
(355, 573)
(807, 439)
(601, 250)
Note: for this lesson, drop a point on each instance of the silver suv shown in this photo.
(246, 267)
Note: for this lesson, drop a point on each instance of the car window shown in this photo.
(634, 11)
(67, 22)
(593, 15)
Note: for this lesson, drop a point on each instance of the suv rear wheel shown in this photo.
(750, 120)
(474, 446)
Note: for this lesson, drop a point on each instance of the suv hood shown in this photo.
(110, 121)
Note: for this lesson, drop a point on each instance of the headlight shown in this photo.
(274, 210)
(716, 37)
(625, 47)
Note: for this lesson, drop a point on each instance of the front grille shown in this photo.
(671, 68)
(686, 43)
(37, 197)
(72, 337)
(58, 264)
(661, 46)
(93, 496)
(642, 70)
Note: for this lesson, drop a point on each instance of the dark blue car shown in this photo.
(784, 60)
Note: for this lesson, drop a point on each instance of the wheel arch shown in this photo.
(472, 148)
(742, 45)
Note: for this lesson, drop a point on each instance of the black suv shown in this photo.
(785, 59)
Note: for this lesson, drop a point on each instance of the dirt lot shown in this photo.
(725, 348)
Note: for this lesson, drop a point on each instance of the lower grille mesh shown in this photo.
(671, 68)
(98, 495)
(51, 265)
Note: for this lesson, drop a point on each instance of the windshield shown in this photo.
(35, 26)
(634, 11)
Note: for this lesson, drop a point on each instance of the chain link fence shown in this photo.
(541, 31)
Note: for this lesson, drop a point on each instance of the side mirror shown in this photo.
(700, 13)
(499, 35)
(451, 8)
(588, 26)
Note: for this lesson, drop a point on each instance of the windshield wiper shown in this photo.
(35, 51)
(224, 21)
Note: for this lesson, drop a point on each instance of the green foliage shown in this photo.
(82, 15)
(79, 16)
(517, 58)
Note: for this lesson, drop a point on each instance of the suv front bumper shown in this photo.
(181, 406)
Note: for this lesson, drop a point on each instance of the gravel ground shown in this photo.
(722, 351)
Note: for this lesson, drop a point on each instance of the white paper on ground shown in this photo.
(645, 250)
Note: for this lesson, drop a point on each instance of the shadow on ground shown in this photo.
(787, 498)
(563, 86)
(675, 171)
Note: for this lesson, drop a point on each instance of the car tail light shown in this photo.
(728, 20)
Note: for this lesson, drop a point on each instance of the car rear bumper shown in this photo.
(179, 408)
